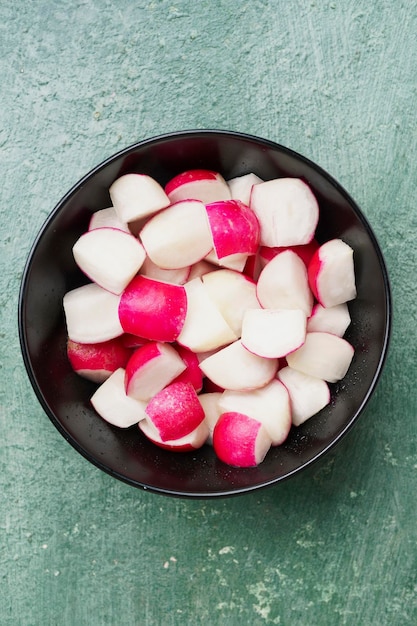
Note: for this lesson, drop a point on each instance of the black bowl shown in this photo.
(50, 272)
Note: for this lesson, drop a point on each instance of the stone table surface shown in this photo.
(335, 81)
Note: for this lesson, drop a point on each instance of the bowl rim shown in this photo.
(174, 135)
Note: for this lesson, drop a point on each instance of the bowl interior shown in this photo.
(51, 272)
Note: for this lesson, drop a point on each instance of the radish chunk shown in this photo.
(153, 309)
(109, 256)
(273, 333)
(308, 395)
(331, 273)
(232, 261)
(204, 326)
(91, 314)
(334, 319)
(107, 218)
(322, 355)
(151, 368)
(177, 276)
(137, 195)
(241, 186)
(236, 368)
(269, 405)
(97, 361)
(212, 411)
(287, 211)
(203, 185)
(234, 228)
(192, 372)
(233, 293)
(175, 411)
(240, 441)
(194, 440)
(178, 236)
(305, 252)
(283, 284)
(113, 405)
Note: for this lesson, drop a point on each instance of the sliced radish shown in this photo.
(177, 276)
(334, 319)
(204, 185)
(91, 314)
(107, 218)
(240, 441)
(273, 333)
(283, 284)
(233, 293)
(175, 411)
(322, 355)
(269, 405)
(287, 211)
(178, 236)
(308, 395)
(151, 368)
(113, 405)
(192, 441)
(305, 252)
(331, 273)
(109, 257)
(232, 262)
(236, 368)
(153, 309)
(192, 373)
(97, 361)
(234, 228)
(241, 186)
(204, 327)
(212, 411)
(137, 195)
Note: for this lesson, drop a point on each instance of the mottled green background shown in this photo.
(336, 81)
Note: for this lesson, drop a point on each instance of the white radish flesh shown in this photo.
(241, 186)
(107, 218)
(176, 276)
(113, 405)
(331, 273)
(137, 195)
(273, 333)
(334, 319)
(212, 411)
(322, 355)
(308, 394)
(204, 185)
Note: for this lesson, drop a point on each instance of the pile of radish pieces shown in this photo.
(213, 316)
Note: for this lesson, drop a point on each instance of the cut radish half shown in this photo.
(241, 186)
(177, 276)
(200, 268)
(91, 314)
(107, 218)
(273, 333)
(178, 236)
(151, 368)
(334, 319)
(234, 228)
(109, 256)
(137, 195)
(331, 273)
(210, 403)
(240, 441)
(287, 211)
(322, 355)
(97, 361)
(308, 395)
(203, 185)
(194, 440)
(113, 405)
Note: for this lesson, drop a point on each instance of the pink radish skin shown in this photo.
(192, 373)
(109, 257)
(305, 252)
(97, 361)
(241, 186)
(331, 273)
(175, 411)
(322, 355)
(153, 309)
(107, 218)
(194, 440)
(113, 405)
(204, 185)
(234, 228)
(273, 333)
(240, 441)
(137, 195)
(334, 319)
(308, 395)
(133, 341)
(151, 368)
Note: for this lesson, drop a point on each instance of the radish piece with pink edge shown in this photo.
(137, 195)
(235, 262)
(241, 186)
(273, 333)
(331, 273)
(283, 284)
(109, 257)
(91, 314)
(192, 441)
(97, 361)
(269, 405)
(153, 309)
(177, 276)
(323, 355)
(240, 441)
(287, 211)
(305, 252)
(198, 184)
(151, 368)
(133, 341)
(234, 367)
(178, 236)
(334, 319)
(107, 218)
(234, 228)
(175, 411)
(308, 394)
(113, 405)
(233, 293)
(192, 372)
(210, 403)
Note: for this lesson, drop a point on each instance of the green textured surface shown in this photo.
(336, 81)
